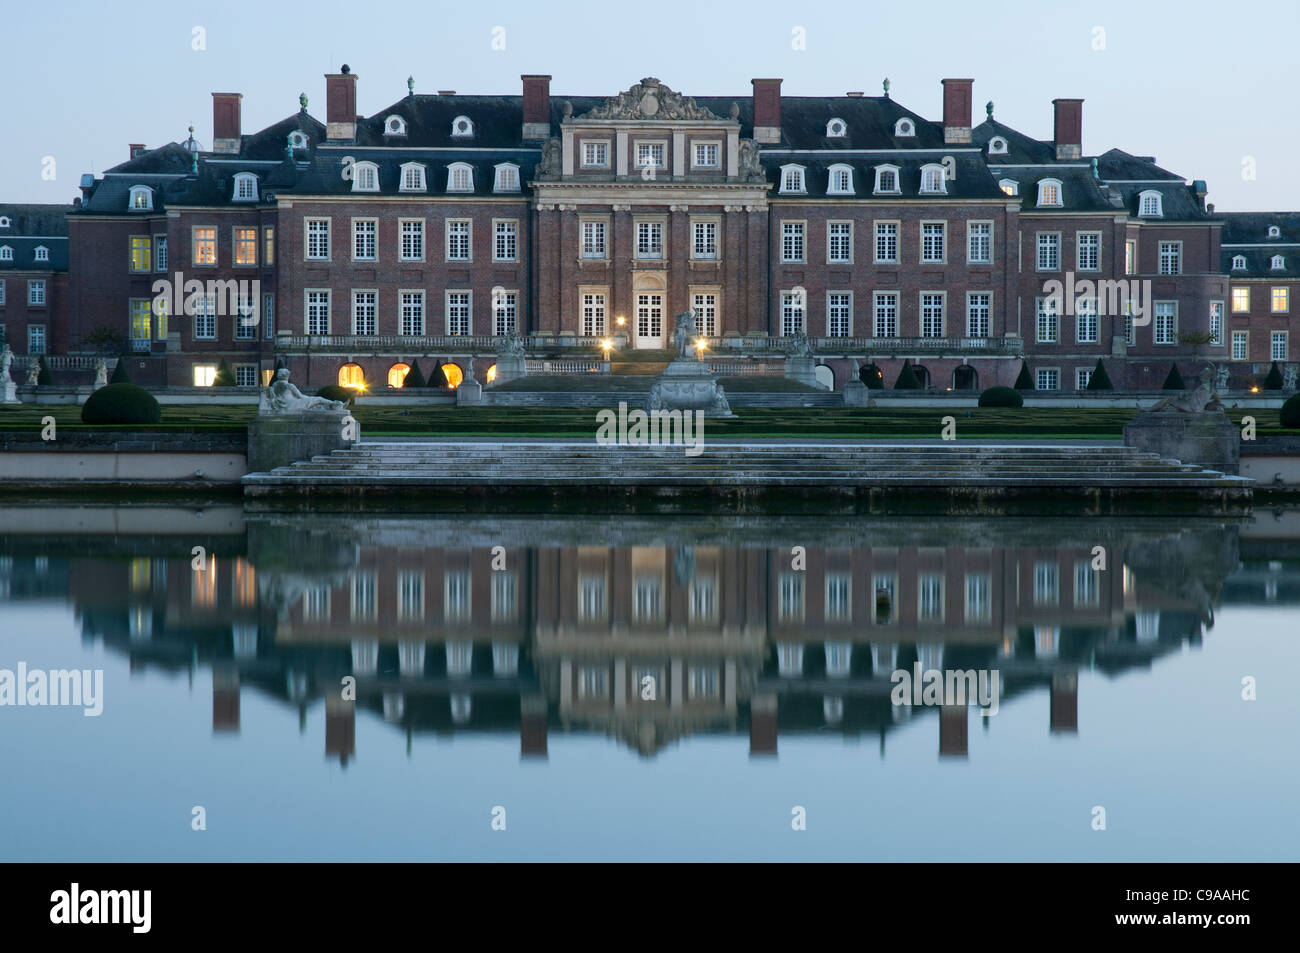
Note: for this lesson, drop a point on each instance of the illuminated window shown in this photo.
(1049, 192)
(268, 246)
(1240, 300)
(245, 583)
(205, 246)
(397, 375)
(141, 198)
(492, 373)
(351, 375)
(246, 246)
(141, 575)
(453, 375)
(1281, 300)
(204, 374)
(141, 253)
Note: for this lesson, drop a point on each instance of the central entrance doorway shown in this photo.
(650, 319)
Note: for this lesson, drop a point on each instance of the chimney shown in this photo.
(136, 149)
(1068, 128)
(341, 105)
(956, 111)
(225, 122)
(767, 110)
(537, 106)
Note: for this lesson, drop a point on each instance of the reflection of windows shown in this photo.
(703, 681)
(885, 587)
(244, 637)
(203, 585)
(1148, 626)
(645, 683)
(1085, 584)
(591, 598)
(245, 582)
(461, 706)
(979, 607)
(460, 658)
(364, 604)
(1047, 641)
(316, 603)
(141, 575)
(410, 595)
(141, 623)
(1047, 584)
(647, 602)
(929, 597)
(410, 657)
(456, 588)
(839, 657)
(365, 656)
(593, 681)
(505, 659)
(839, 605)
(790, 602)
(504, 602)
(789, 658)
(704, 599)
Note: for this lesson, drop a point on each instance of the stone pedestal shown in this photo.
(800, 367)
(687, 385)
(277, 440)
(11, 393)
(510, 367)
(469, 393)
(855, 393)
(1208, 440)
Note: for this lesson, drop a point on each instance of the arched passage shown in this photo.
(397, 375)
(922, 376)
(491, 373)
(453, 375)
(965, 377)
(351, 375)
(825, 376)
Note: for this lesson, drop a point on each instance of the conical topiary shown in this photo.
(1099, 380)
(1025, 380)
(225, 376)
(870, 375)
(907, 379)
(413, 377)
(1174, 381)
(119, 373)
(1274, 379)
(44, 378)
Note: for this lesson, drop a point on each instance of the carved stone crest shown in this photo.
(750, 166)
(552, 164)
(651, 99)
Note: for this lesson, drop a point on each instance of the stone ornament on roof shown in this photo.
(552, 161)
(651, 99)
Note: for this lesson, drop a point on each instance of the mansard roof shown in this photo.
(1241, 228)
(973, 179)
(324, 176)
(34, 226)
(269, 143)
(1116, 165)
(1021, 149)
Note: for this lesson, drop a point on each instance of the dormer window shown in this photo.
(365, 177)
(141, 199)
(297, 140)
(1238, 262)
(1274, 232)
(460, 177)
(932, 180)
(507, 178)
(792, 178)
(462, 126)
(1009, 186)
(1150, 204)
(904, 127)
(997, 146)
(1277, 263)
(4, 221)
(6, 253)
(841, 180)
(837, 128)
(394, 126)
(1049, 193)
(245, 187)
(412, 177)
(43, 254)
(887, 179)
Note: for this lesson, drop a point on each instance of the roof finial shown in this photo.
(885, 84)
(410, 85)
(194, 152)
(1095, 173)
(988, 108)
(302, 101)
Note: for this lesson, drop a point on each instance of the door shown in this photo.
(650, 320)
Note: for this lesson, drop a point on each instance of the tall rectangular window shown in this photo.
(932, 315)
(141, 319)
(1280, 300)
(318, 312)
(792, 241)
(1216, 322)
(593, 240)
(649, 240)
(1130, 257)
(1085, 321)
(160, 252)
(887, 243)
(979, 306)
(365, 239)
(1048, 378)
(365, 312)
(1049, 251)
(839, 314)
(979, 243)
(505, 308)
(458, 244)
(141, 253)
(1240, 345)
(1171, 258)
(1047, 321)
(245, 246)
(268, 245)
(458, 306)
(411, 304)
(792, 308)
(412, 240)
(932, 242)
(36, 291)
(268, 316)
(245, 319)
(35, 339)
(593, 314)
(839, 242)
(886, 314)
(705, 304)
(205, 246)
(1089, 251)
(705, 240)
(205, 317)
(318, 239)
(505, 244)
(1165, 326)
(1278, 346)
(1240, 300)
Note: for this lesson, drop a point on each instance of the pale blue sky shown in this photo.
(1200, 86)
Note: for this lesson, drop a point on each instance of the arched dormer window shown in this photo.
(997, 146)
(1277, 263)
(43, 254)
(507, 178)
(836, 129)
(1238, 262)
(841, 180)
(297, 139)
(412, 177)
(460, 177)
(1009, 186)
(462, 126)
(904, 127)
(4, 221)
(887, 179)
(141, 199)
(365, 177)
(394, 126)
(1274, 232)
(933, 179)
(792, 178)
(245, 187)
(1049, 193)
(1150, 204)
(6, 253)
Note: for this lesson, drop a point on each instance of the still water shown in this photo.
(648, 688)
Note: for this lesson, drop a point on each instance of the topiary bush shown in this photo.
(1290, 413)
(1099, 380)
(871, 376)
(44, 378)
(414, 377)
(1025, 380)
(1002, 397)
(1174, 381)
(907, 379)
(337, 392)
(1274, 379)
(121, 404)
(119, 373)
(225, 376)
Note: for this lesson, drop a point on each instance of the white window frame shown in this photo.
(971, 258)
(313, 309)
(884, 313)
(1079, 243)
(1278, 345)
(1174, 256)
(1047, 321)
(417, 235)
(934, 179)
(412, 178)
(833, 174)
(357, 235)
(452, 228)
(603, 145)
(467, 305)
(905, 127)
(793, 180)
(394, 126)
(658, 150)
(794, 233)
(1156, 202)
(846, 258)
(137, 193)
(709, 228)
(508, 229)
(307, 227)
(979, 325)
(245, 187)
(836, 128)
(649, 236)
(462, 127)
(411, 300)
(841, 310)
(593, 238)
(1241, 353)
(715, 145)
(1277, 263)
(365, 177)
(1160, 334)
(1049, 242)
(943, 243)
(893, 170)
(506, 177)
(454, 173)
(1238, 262)
(887, 232)
(1044, 200)
(997, 146)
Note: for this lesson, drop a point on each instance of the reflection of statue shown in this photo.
(750, 166)
(684, 333)
(282, 397)
(1199, 400)
(656, 399)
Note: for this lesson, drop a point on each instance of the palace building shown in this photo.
(428, 231)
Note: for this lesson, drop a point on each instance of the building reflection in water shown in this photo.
(476, 625)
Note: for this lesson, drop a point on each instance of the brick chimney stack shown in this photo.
(537, 106)
(136, 149)
(767, 110)
(956, 111)
(341, 105)
(1068, 128)
(226, 122)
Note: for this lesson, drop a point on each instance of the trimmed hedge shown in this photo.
(1174, 381)
(1274, 379)
(1002, 397)
(119, 373)
(336, 392)
(1289, 415)
(1099, 380)
(1025, 380)
(414, 377)
(44, 378)
(121, 404)
(870, 375)
(907, 379)
(225, 376)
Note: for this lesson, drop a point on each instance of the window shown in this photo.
(462, 126)
(141, 253)
(412, 179)
(904, 127)
(979, 243)
(268, 316)
(932, 241)
(365, 312)
(841, 180)
(593, 240)
(595, 155)
(1274, 232)
(1049, 192)
(649, 240)
(1277, 346)
(268, 245)
(792, 178)
(790, 602)
(929, 597)
(460, 177)
(1240, 300)
(394, 126)
(1088, 251)
(297, 140)
(1049, 251)
(1238, 262)
(246, 376)
(1277, 263)
(458, 312)
(839, 314)
(1166, 322)
(1085, 321)
(245, 187)
(1130, 332)
(318, 312)
(1150, 204)
(1171, 258)
(1130, 258)
(458, 244)
(318, 239)
(1280, 300)
(245, 246)
(36, 291)
(140, 198)
(593, 314)
(35, 339)
(505, 242)
(507, 178)
(160, 252)
(1240, 345)
(411, 240)
(365, 239)
(836, 128)
(886, 314)
(1216, 322)
(887, 242)
(705, 240)
(1009, 186)
(1082, 375)
(933, 179)
(245, 319)
(979, 307)
(1049, 378)
(705, 155)
(205, 317)
(997, 146)
(932, 315)
(887, 179)
(411, 313)
(705, 305)
(365, 177)
(792, 308)
(792, 235)
(839, 242)
(650, 155)
(505, 308)
(141, 321)
(43, 254)
(1047, 321)
(2, 301)
(205, 246)
(204, 376)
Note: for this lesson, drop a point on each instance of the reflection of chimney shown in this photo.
(341, 104)
(767, 110)
(225, 699)
(762, 724)
(340, 728)
(532, 726)
(226, 122)
(956, 110)
(1068, 128)
(1065, 702)
(537, 106)
(952, 731)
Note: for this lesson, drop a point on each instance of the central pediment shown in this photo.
(651, 99)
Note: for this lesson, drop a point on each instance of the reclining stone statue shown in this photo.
(1201, 399)
(283, 397)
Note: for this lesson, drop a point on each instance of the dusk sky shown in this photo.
(1206, 88)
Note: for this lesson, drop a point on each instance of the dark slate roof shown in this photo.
(1080, 190)
(35, 219)
(1244, 227)
(31, 227)
(870, 121)
(498, 122)
(973, 180)
(112, 192)
(1118, 165)
(324, 175)
(1259, 262)
(269, 143)
(1021, 149)
(173, 158)
(1251, 229)
(1179, 202)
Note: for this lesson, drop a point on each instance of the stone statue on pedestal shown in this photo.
(684, 334)
(33, 372)
(1221, 377)
(283, 397)
(1289, 377)
(101, 373)
(8, 389)
(1201, 399)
